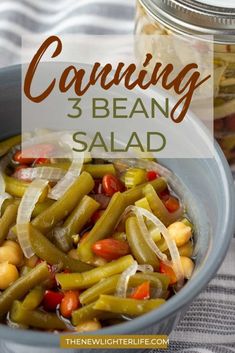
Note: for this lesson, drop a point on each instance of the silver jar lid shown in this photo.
(196, 17)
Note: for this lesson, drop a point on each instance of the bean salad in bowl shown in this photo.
(87, 244)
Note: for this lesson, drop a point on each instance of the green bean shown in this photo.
(80, 216)
(7, 220)
(103, 227)
(24, 270)
(126, 306)
(41, 207)
(88, 278)
(157, 206)
(138, 244)
(7, 145)
(6, 203)
(34, 298)
(74, 223)
(99, 170)
(38, 209)
(152, 277)
(119, 236)
(86, 313)
(35, 318)
(15, 187)
(46, 220)
(22, 286)
(136, 193)
(108, 285)
(105, 286)
(47, 251)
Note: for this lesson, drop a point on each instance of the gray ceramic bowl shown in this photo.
(209, 194)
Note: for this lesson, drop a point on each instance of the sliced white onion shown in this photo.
(23, 237)
(148, 268)
(175, 262)
(145, 268)
(3, 197)
(49, 173)
(25, 210)
(137, 211)
(149, 239)
(122, 284)
(64, 184)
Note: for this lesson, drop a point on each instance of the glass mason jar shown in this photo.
(209, 17)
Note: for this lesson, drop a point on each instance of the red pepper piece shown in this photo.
(40, 150)
(41, 161)
(111, 184)
(168, 271)
(18, 158)
(152, 175)
(51, 300)
(142, 291)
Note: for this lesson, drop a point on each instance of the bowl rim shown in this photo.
(176, 303)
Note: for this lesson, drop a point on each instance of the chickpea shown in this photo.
(8, 275)
(31, 262)
(91, 325)
(12, 243)
(186, 249)
(180, 232)
(11, 252)
(188, 266)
